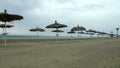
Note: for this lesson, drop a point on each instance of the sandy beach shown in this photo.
(84, 53)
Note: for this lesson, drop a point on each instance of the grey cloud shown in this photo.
(69, 12)
(93, 6)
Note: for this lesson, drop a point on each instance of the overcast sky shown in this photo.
(101, 15)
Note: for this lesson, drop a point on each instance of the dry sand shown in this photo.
(87, 53)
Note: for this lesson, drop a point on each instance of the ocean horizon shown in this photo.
(40, 37)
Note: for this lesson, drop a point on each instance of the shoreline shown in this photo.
(52, 40)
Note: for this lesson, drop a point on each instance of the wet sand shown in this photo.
(84, 53)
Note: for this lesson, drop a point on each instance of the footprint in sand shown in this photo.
(112, 62)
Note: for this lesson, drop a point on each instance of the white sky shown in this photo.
(101, 15)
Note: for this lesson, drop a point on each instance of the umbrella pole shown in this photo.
(78, 33)
(3, 30)
(5, 34)
(117, 33)
(57, 35)
(37, 34)
(71, 36)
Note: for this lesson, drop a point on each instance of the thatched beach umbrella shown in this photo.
(57, 26)
(81, 33)
(98, 33)
(57, 31)
(5, 17)
(37, 30)
(91, 31)
(71, 32)
(102, 33)
(7, 26)
(78, 28)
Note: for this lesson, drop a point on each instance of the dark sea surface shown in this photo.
(37, 37)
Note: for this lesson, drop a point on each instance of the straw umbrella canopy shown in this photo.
(101, 33)
(71, 32)
(5, 17)
(78, 28)
(7, 26)
(56, 26)
(93, 31)
(81, 32)
(57, 31)
(90, 32)
(98, 33)
(37, 30)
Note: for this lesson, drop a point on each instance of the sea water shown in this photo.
(37, 37)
